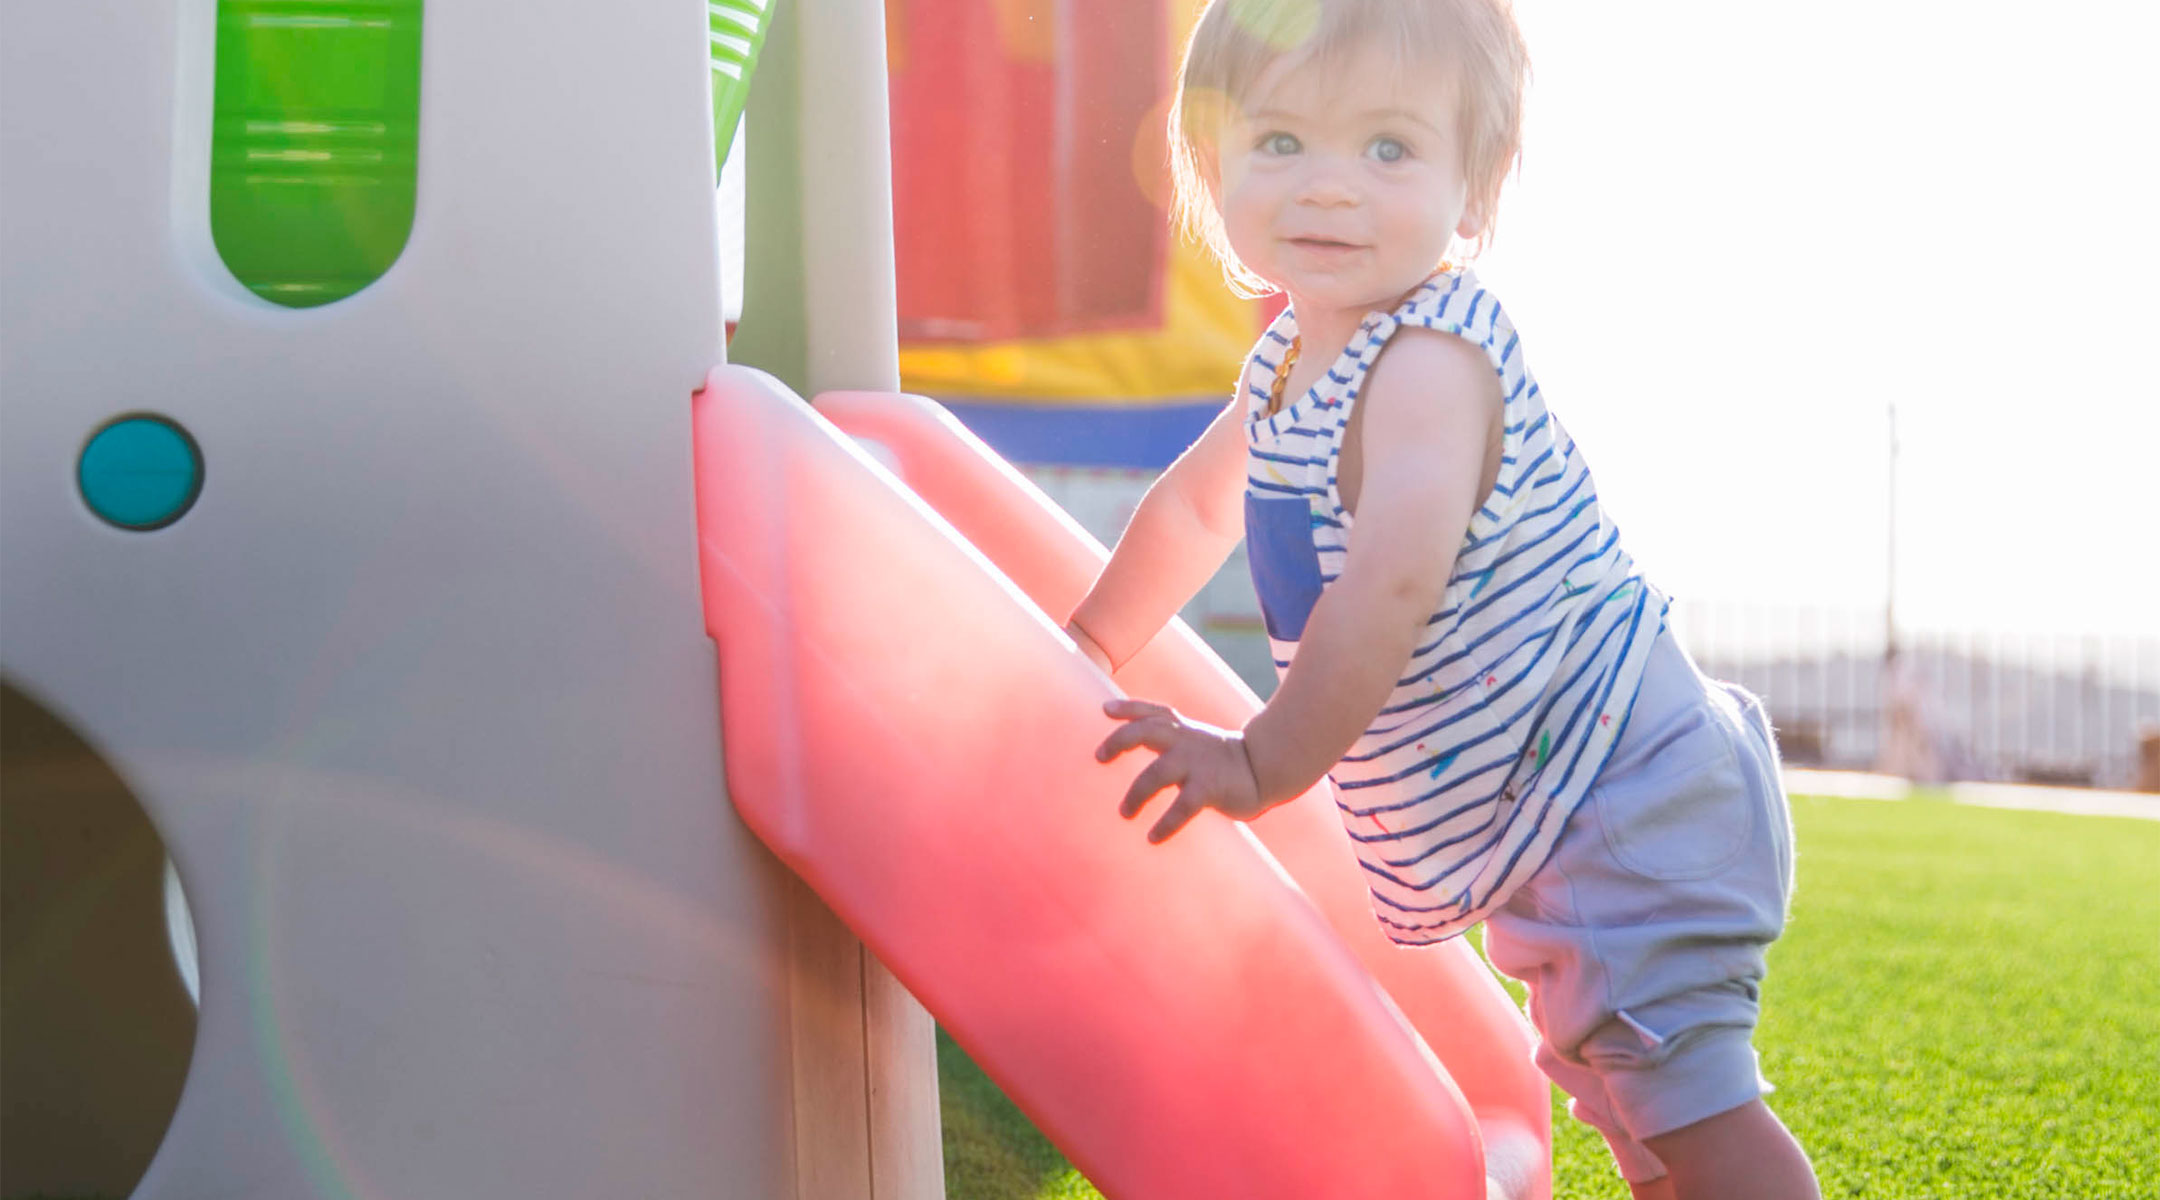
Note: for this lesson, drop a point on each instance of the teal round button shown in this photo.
(140, 471)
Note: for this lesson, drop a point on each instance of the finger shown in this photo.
(1125, 708)
(1155, 734)
(1158, 775)
(1174, 818)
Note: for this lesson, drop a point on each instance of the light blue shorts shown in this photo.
(1642, 937)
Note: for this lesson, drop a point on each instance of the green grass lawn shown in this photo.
(1966, 1004)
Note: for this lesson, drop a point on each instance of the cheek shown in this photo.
(1414, 219)
(1246, 216)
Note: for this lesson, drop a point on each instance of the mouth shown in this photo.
(1323, 245)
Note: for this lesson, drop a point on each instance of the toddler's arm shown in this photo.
(1432, 407)
(1184, 528)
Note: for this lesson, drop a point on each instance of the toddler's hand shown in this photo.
(1207, 765)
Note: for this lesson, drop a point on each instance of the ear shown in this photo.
(1472, 223)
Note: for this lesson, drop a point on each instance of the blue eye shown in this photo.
(1387, 149)
(1280, 143)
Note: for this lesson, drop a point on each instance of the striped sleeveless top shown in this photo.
(1513, 699)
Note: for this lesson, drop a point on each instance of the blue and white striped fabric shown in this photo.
(1512, 702)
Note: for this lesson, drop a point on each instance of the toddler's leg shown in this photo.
(1682, 1114)
(1642, 942)
(1745, 1153)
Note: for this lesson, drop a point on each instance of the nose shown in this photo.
(1327, 184)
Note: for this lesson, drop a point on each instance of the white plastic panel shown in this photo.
(418, 693)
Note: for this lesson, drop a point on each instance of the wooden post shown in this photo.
(820, 313)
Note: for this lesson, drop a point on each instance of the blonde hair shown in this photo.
(1236, 41)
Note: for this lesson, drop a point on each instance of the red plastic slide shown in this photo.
(1446, 991)
(913, 736)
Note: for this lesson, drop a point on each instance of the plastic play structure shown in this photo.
(399, 614)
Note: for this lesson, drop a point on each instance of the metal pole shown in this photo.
(1890, 545)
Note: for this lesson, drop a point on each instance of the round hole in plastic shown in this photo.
(97, 1023)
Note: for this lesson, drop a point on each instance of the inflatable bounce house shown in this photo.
(586, 767)
(1043, 299)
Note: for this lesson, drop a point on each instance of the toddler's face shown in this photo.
(1342, 186)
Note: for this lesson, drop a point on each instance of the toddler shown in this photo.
(1464, 645)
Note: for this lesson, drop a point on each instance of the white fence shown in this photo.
(1995, 705)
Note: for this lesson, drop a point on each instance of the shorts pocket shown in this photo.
(1684, 812)
(1285, 564)
(1757, 719)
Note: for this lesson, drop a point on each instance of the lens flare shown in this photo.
(1282, 24)
(428, 837)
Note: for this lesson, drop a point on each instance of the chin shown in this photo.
(1327, 292)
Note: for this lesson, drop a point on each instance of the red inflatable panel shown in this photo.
(915, 738)
(1446, 991)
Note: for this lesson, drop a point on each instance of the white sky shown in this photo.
(1741, 230)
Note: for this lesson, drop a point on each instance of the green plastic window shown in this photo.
(316, 142)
